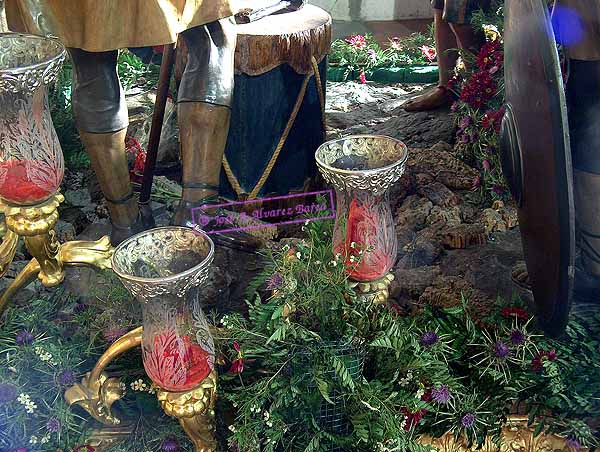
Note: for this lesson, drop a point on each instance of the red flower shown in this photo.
(490, 55)
(480, 88)
(519, 313)
(362, 77)
(357, 41)
(428, 52)
(237, 366)
(493, 119)
(538, 362)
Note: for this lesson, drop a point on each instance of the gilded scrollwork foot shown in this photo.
(195, 411)
(96, 393)
(26, 276)
(96, 397)
(87, 253)
(375, 291)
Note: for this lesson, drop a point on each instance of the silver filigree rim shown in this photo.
(60, 54)
(333, 169)
(166, 279)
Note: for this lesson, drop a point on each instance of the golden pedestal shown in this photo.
(36, 225)
(375, 291)
(97, 392)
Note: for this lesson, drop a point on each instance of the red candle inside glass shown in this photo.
(26, 181)
(364, 250)
(176, 363)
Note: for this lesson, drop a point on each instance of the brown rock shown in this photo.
(464, 235)
(492, 221)
(423, 179)
(442, 166)
(438, 194)
(413, 282)
(440, 216)
(413, 212)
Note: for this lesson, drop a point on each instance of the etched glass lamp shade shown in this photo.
(31, 160)
(362, 169)
(165, 268)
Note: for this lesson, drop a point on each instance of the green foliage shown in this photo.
(362, 53)
(312, 350)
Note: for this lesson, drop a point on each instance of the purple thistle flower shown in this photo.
(501, 350)
(468, 420)
(498, 190)
(170, 445)
(441, 395)
(465, 122)
(429, 338)
(517, 337)
(67, 377)
(454, 107)
(275, 281)
(573, 444)
(80, 307)
(8, 392)
(24, 338)
(53, 425)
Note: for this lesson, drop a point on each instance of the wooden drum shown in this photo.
(277, 120)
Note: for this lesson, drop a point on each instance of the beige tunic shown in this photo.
(585, 15)
(100, 25)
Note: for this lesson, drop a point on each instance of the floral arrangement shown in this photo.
(362, 53)
(313, 368)
(479, 108)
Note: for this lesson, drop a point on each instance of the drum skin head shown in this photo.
(536, 158)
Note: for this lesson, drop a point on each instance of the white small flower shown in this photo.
(353, 245)
(45, 439)
(334, 263)
(23, 398)
(420, 393)
(235, 404)
(266, 415)
(317, 262)
(269, 424)
(231, 428)
(33, 440)
(352, 259)
(338, 256)
(299, 255)
(122, 386)
(30, 407)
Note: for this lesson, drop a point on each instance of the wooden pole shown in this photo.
(162, 92)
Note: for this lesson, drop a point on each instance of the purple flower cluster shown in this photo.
(24, 338)
(8, 392)
(170, 445)
(501, 350)
(517, 337)
(468, 420)
(441, 395)
(53, 425)
(429, 338)
(275, 281)
(66, 378)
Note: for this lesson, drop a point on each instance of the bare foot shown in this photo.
(520, 275)
(438, 97)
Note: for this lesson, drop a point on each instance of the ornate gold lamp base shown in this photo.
(375, 291)
(36, 225)
(96, 394)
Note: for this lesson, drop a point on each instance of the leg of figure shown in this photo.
(204, 103)
(584, 120)
(445, 41)
(102, 118)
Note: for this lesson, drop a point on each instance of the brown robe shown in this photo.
(100, 25)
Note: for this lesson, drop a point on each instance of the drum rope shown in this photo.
(265, 175)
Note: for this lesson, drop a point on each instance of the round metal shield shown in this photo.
(536, 157)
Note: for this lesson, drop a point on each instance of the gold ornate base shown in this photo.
(36, 225)
(516, 437)
(375, 291)
(96, 394)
